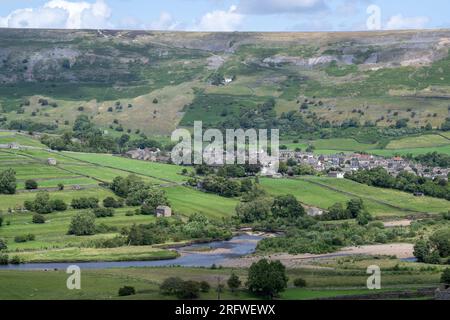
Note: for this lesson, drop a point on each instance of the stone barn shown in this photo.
(163, 212)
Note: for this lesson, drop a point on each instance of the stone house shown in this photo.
(163, 212)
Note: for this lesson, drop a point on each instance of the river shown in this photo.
(196, 255)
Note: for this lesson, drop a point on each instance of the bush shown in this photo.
(83, 224)
(38, 218)
(127, 291)
(110, 202)
(85, 203)
(24, 238)
(205, 287)
(300, 283)
(15, 260)
(31, 185)
(4, 259)
(8, 183)
(58, 205)
(103, 212)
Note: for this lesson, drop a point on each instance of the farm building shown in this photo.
(51, 162)
(163, 212)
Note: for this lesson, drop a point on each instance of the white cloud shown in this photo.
(220, 20)
(61, 14)
(165, 22)
(399, 22)
(281, 6)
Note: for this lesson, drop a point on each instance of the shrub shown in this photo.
(127, 291)
(103, 212)
(300, 283)
(38, 218)
(60, 187)
(31, 185)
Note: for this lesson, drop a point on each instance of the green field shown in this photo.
(164, 172)
(324, 192)
(424, 141)
(104, 284)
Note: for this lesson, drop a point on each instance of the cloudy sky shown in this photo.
(225, 15)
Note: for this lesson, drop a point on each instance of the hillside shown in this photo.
(156, 81)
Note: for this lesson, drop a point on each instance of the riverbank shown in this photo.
(399, 250)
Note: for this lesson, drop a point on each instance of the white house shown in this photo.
(336, 174)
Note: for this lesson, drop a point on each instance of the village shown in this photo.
(335, 165)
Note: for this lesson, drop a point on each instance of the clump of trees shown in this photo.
(8, 182)
(435, 248)
(355, 209)
(260, 207)
(182, 289)
(103, 212)
(42, 204)
(82, 224)
(85, 203)
(405, 181)
(197, 227)
(138, 193)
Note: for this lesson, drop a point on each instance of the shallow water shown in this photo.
(237, 247)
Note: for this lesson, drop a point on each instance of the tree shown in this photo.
(1, 220)
(8, 183)
(445, 278)
(267, 278)
(287, 207)
(354, 207)
(38, 218)
(42, 203)
(364, 218)
(256, 210)
(127, 291)
(234, 282)
(152, 199)
(441, 241)
(189, 290)
(83, 224)
(336, 212)
(31, 185)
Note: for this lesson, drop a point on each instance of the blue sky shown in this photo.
(224, 15)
